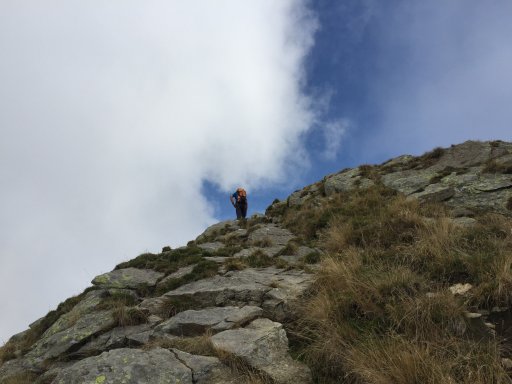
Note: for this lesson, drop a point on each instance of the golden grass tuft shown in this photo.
(126, 316)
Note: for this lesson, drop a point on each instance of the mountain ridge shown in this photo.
(232, 305)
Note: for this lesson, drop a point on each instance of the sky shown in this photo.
(125, 125)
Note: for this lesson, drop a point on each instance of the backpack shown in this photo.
(242, 195)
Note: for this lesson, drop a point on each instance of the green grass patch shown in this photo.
(167, 262)
(203, 269)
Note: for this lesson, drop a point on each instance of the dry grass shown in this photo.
(247, 373)
(8, 351)
(380, 311)
(263, 243)
(127, 316)
(199, 345)
(23, 378)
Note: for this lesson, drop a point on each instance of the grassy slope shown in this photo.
(381, 311)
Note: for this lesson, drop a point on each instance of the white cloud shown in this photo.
(333, 132)
(111, 116)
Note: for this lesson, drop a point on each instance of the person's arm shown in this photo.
(232, 199)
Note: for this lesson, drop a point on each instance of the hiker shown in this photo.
(239, 201)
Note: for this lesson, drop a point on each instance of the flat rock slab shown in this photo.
(127, 366)
(216, 319)
(273, 233)
(434, 193)
(132, 278)
(271, 287)
(264, 346)
(120, 337)
(52, 345)
(211, 247)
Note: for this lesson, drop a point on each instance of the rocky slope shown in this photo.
(217, 310)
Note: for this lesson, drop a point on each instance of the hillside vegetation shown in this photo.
(398, 273)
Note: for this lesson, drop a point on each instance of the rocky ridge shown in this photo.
(216, 311)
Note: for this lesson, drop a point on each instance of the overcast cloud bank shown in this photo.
(111, 116)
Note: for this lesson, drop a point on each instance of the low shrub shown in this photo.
(202, 270)
(126, 316)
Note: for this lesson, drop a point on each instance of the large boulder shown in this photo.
(346, 181)
(216, 319)
(132, 278)
(119, 337)
(127, 366)
(54, 344)
(271, 233)
(263, 345)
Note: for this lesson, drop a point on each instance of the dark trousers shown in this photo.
(241, 210)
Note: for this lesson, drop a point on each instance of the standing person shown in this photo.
(239, 201)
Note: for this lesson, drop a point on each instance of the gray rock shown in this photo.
(216, 319)
(211, 247)
(488, 183)
(127, 366)
(465, 155)
(464, 221)
(54, 344)
(298, 198)
(264, 346)
(207, 369)
(434, 193)
(128, 278)
(269, 251)
(120, 337)
(346, 181)
(217, 259)
(273, 289)
(278, 236)
(409, 181)
(217, 230)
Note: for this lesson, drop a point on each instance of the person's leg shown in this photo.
(238, 211)
(244, 210)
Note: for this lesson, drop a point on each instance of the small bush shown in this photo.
(127, 316)
(22, 378)
(493, 167)
(8, 351)
(173, 305)
(199, 345)
(291, 248)
(227, 251)
(115, 299)
(167, 262)
(235, 264)
(312, 257)
(263, 243)
(259, 259)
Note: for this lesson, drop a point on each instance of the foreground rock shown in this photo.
(127, 366)
(263, 345)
